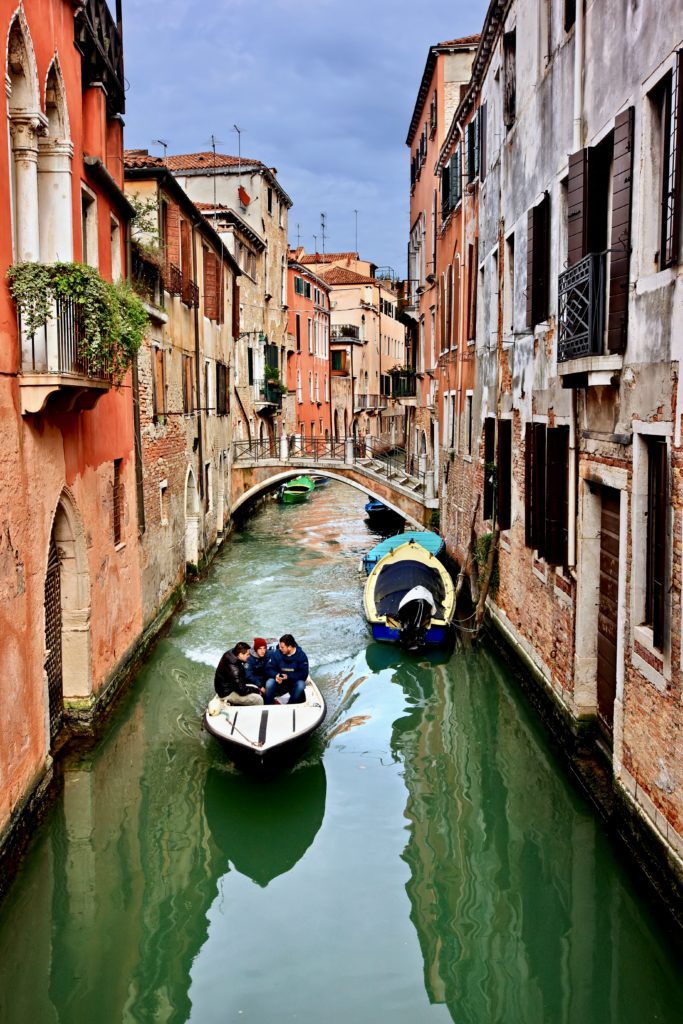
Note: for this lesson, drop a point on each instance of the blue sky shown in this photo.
(322, 90)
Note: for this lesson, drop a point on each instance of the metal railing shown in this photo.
(268, 391)
(338, 331)
(190, 294)
(376, 455)
(365, 401)
(173, 279)
(57, 347)
(403, 386)
(581, 297)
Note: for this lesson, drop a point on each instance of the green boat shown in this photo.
(297, 490)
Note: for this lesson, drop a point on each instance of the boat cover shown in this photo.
(396, 579)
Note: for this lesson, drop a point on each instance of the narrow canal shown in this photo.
(426, 860)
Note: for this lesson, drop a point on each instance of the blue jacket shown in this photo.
(294, 666)
(259, 670)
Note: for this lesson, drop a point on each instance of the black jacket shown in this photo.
(230, 677)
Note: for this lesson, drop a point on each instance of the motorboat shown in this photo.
(319, 480)
(427, 539)
(297, 490)
(409, 598)
(381, 517)
(260, 731)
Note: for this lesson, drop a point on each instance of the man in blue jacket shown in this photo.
(257, 668)
(289, 668)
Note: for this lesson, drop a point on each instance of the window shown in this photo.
(163, 502)
(472, 260)
(299, 392)
(310, 335)
(489, 466)
(222, 400)
(538, 262)
(482, 142)
(432, 116)
(117, 502)
(188, 391)
(310, 387)
(115, 242)
(298, 332)
(89, 228)
(509, 78)
(657, 545)
(472, 147)
(546, 491)
(504, 474)
(569, 14)
(250, 365)
(667, 99)
(158, 385)
(207, 387)
(208, 489)
(270, 200)
(467, 425)
(509, 291)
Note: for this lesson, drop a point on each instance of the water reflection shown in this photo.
(263, 829)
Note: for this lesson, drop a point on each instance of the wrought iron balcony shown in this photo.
(173, 279)
(403, 385)
(345, 332)
(190, 293)
(581, 296)
(52, 362)
(267, 393)
(98, 37)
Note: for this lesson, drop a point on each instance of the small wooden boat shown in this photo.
(319, 481)
(409, 598)
(380, 516)
(427, 539)
(297, 490)
(263, 730)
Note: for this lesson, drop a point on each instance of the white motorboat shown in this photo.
(266, 729)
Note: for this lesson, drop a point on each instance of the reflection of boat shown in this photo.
(263, 830)
(261, 731)
(381, 517)
(427, 539)
(409, 598)
(297, 490)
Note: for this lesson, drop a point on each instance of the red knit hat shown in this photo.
(259, 642)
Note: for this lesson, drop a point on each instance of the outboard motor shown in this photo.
(415, 615)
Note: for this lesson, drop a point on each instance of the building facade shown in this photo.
(307, 414)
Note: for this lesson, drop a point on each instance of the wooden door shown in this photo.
(608, 606)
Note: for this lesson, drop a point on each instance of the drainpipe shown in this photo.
(137, 432)
(200, 447)
(579, 58)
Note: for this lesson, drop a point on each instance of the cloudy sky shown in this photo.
(322, 90)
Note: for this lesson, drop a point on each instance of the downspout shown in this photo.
(200, 446)
(137, 432)
(579, 58)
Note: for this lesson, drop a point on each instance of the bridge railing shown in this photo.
(375, 454)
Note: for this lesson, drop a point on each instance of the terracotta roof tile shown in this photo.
(328, 257)
(198, 161)
(341, 275)
(465, 41)
(141, 158)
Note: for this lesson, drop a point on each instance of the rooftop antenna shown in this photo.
(356, 213)
(298, 235)
(315, 244)
(239, 153)
(322, 228)
(214, 140)
(161, 142)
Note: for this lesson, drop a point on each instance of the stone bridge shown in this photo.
(258, 466)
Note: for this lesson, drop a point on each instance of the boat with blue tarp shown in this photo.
(429, 540)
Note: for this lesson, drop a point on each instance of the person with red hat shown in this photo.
(257, 667)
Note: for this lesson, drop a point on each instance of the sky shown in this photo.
(322, 90)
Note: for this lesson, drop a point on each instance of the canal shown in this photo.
(426, 860)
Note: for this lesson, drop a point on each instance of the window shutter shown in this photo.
(235, 309)
(677, 152)
(469, 139)
(172, 233)
(455, 326)
(556, 501)
(538, 260)
(482, 142)
(504, 474)
(621, 231)
(186, 250)
(538, 499)
(475, 145)
(530, 269)
(250, 365)
(577, 202)
(210, 285)
(445, 191)
(489, 471)
(658, 543)
(528, 484)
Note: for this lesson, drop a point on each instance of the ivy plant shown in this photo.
(111, 318)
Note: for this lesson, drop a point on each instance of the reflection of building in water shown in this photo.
(505, 871)
(123, 883)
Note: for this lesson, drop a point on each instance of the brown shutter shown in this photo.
(455, 331)
(472, 272)
(620, 243)
(209, 284)
(220, 290)
(235, 309)
(482, 142)
(538, 262)
(556, 495)
(489, 459)
(577, 201)
(185, 250)
(538, 519)
(172, 233)
(504, 474)
(659, 502)
(528, 484)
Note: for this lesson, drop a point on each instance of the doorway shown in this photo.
(608, 605)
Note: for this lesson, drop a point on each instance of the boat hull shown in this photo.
(267, 732)
(294, 497)
(435, 636)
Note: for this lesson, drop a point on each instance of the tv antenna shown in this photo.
(323, 224)
(163, 143)
(356, 213)
(239, 152)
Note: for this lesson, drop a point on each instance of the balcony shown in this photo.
(347, 333)
(173, 279)
(581, 356)
(403, 385)
(98, 37)
(267, 396)
(52, 368)
(368, 403)
(190, 293)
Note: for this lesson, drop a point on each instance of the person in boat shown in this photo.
(257, 665)
(231, 683)
(289, 671)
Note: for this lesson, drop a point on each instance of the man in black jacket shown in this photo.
(230, 681)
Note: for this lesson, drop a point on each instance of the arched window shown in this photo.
(26, 125)
(55, 152)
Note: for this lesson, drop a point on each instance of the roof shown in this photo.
(140, 158)
(342, 275)
(219, 212)
(328, 257)
(465, 43)
(199, 161)
(308, 273)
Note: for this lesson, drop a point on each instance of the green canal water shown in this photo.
(425, 861)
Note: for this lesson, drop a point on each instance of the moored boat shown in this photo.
(319, 480)
(427, 539)
(381, 517)
(260, 732)
(297, 490)
(409, 598)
